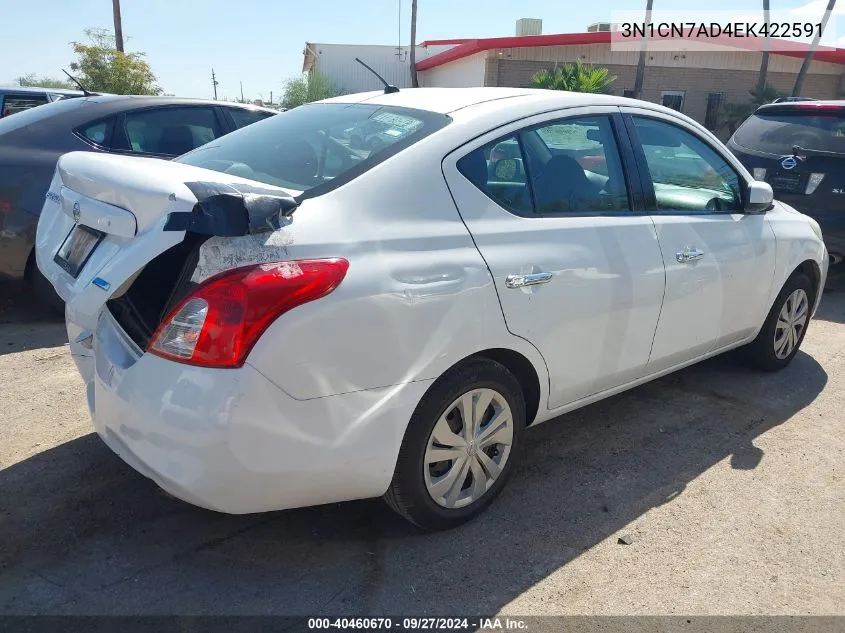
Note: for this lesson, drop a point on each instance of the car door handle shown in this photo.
(532, 279)
(689, 255)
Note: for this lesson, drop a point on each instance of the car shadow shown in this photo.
(24, 325)
(832, 307)
(83, 533)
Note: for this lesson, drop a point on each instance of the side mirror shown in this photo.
(760, 197)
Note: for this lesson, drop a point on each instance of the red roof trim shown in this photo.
(470, 47)
(443, 42)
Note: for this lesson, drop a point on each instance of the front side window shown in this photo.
(312, 145)
(568, 167)
(170, 131)
(687, 174)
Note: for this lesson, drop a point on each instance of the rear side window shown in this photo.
(99, 132)
(35, 116)
(568, 167)
(312, 146)
(170, 131)
(778, 132)
(12, 103)
(243, 117)
(498, 169)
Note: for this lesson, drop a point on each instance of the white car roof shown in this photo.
(449, 100)
(446, 100)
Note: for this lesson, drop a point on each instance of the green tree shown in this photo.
(733, 114)
(33, 81)
(575, 77)
(103, 68)
(768, 94)
(309, 87)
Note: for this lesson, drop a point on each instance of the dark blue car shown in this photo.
(32, 140)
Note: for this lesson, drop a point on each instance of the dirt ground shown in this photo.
(727, 483)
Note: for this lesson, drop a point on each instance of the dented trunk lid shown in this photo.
(128, 211)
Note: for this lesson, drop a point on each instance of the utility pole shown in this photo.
(414, 80)
(638, 78)
(271, 97)
(242, 92)
(118, 27)
(214, 83)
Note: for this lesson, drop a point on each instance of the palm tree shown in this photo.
(414, 79)
(799, 81)
(638, 81)
(575, 77)
(118, 27)
(764, 64)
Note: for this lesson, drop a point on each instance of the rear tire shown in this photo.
(478, 456)
(785, 326)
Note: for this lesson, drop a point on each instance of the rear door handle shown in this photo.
(689, 255)
(532, 279)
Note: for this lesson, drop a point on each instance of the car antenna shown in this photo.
(388, 89)
(76, 81)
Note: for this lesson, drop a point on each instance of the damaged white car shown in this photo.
(280, 319)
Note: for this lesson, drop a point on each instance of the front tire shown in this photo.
(785, 326)
(461, 443)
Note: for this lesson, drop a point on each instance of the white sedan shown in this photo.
(277, 319)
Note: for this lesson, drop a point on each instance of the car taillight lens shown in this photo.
(218, 323)
(759, 173)
(813, 182)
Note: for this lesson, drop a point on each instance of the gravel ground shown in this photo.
(728, 484)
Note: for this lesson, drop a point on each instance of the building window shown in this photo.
(714, 104)
(673, 99)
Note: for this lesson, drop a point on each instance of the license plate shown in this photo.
(77, 248)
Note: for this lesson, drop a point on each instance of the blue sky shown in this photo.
(260, 42)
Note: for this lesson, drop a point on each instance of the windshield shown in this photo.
(316, 144)
(776, 133)
(37, 114)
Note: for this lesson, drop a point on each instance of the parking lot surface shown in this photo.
(726, 484)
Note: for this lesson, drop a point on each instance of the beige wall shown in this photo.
(695, 82)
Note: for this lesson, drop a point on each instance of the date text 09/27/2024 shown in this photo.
(418, 624)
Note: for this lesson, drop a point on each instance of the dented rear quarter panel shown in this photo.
(417, 298)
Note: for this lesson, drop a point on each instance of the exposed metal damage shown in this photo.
(223, 253)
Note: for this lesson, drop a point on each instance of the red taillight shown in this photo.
(819, 106)
(218, 323)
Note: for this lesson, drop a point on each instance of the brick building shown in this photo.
(696, 82)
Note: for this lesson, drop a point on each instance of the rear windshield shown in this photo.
(317, 144)
(776, 133)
